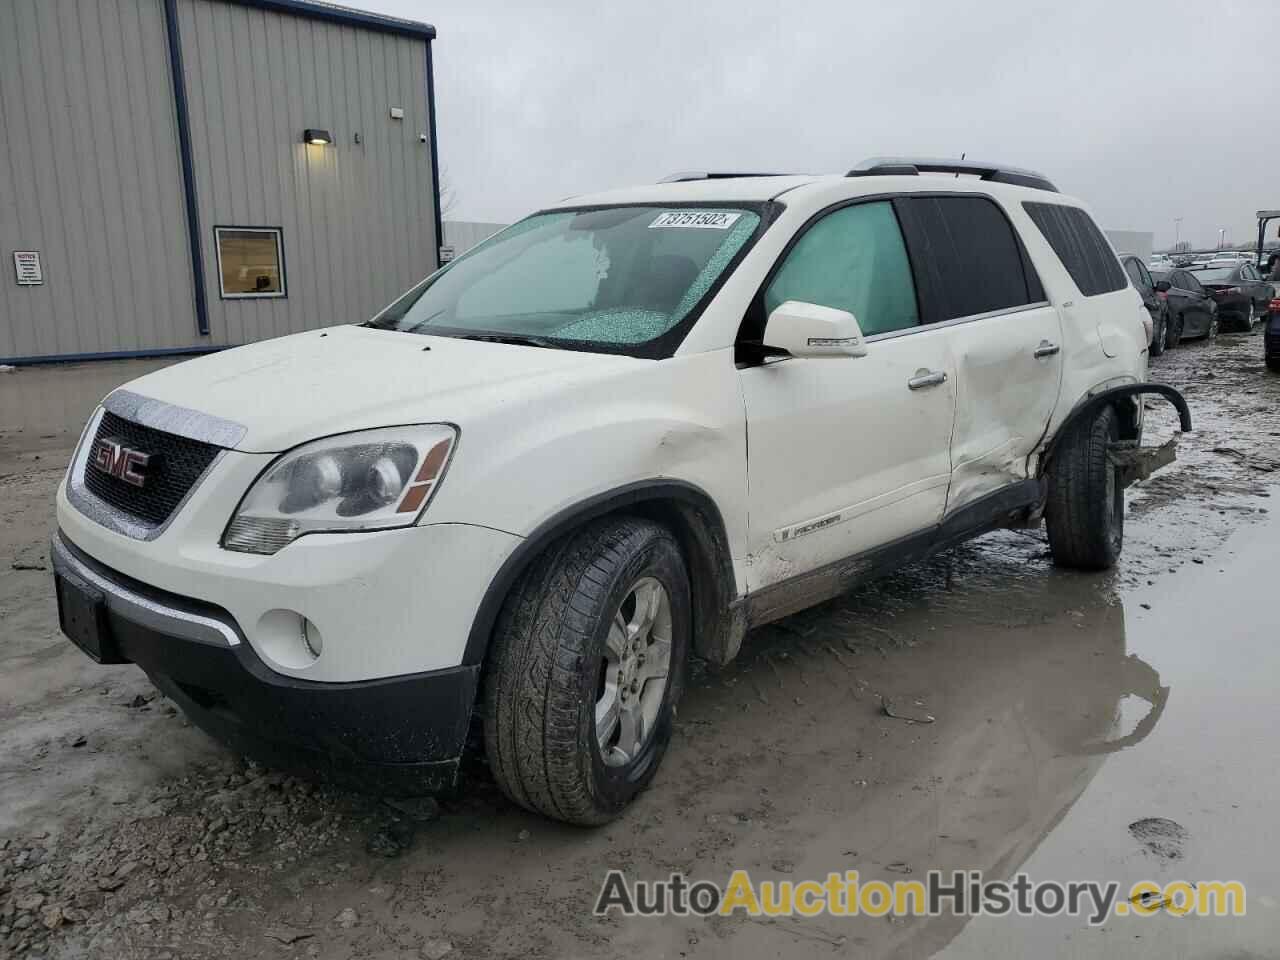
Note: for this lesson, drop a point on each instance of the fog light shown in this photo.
(311, 639)
(285, 638)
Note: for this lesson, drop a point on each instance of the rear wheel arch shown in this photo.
(693, 518)
(1127, 401)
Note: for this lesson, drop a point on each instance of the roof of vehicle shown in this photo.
(761, 188)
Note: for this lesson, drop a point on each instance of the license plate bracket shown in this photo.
(82, 615)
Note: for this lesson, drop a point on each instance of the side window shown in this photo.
(853, 259)
(1131, 268)
(984, 272)
(970, 256)
(1192, 283)
(1249, 273)
(1080, 245)
(1147, 282)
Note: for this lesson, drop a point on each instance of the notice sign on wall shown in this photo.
(26, 264)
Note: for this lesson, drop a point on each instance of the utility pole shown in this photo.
(1177, 233)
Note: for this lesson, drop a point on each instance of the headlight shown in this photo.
(372, 480)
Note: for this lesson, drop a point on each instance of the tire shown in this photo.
(554, 654)
(1160, 335)
(1084, 514)
(1250, 318)
(1175, 333)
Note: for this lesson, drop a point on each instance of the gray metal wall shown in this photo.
(90, 173)
(1136, 242)
(89, 177)
(358, 220)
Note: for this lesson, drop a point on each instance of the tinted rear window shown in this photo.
(1080, 246)
(974, 260)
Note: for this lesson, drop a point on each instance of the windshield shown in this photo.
(1214, 273)
(602, 278)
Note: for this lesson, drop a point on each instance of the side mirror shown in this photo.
(1163, 286)
(810, 330)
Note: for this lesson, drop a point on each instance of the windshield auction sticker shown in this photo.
(696, 219)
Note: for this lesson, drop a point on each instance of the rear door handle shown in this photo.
(927, 378)
(1046, 349)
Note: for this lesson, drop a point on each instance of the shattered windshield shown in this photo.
(607, 277)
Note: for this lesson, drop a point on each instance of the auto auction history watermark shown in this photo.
(956, 892)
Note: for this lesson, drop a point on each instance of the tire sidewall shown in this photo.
(660, 558)
(1113, 517)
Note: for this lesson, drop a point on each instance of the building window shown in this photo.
(250, 262)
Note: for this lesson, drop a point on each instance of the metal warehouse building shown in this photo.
(182, 175)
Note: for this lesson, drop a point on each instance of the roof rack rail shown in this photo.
(688, 175)
(913, 166)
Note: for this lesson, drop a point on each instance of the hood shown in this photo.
(308, 385)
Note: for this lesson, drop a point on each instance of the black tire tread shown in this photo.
(1160, 338)
(1076, 513)
(531, 707)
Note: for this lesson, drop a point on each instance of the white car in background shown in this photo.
(616, 435)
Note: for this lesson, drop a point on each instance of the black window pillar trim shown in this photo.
(188, 166)
(435, 155)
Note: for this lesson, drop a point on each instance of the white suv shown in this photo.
(616, 435)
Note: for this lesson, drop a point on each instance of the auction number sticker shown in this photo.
(697, 219)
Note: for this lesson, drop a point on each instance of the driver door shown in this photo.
(847, 454)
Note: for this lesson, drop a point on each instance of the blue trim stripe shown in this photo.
(435, 156)
(344, 15)
(188, 165)
(116, 355)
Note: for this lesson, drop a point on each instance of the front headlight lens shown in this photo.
(371, 480)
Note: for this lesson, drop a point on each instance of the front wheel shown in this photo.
(587, 665)
(1250, 318)
(1175, 332)
(1084, 514)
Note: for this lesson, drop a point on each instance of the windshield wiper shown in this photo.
(519, 339)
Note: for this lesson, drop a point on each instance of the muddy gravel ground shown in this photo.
(125, 832)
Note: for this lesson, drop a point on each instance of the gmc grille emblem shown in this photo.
(117, 460)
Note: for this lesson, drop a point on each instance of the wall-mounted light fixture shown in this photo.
(318, 137)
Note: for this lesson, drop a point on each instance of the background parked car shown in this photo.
(1239, 290)
(1192, 311)
(1271, 336)
(1154, 300)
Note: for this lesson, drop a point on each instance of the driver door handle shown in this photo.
(1046, 349)
(927, 378)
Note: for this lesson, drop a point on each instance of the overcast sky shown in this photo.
(1147, 111)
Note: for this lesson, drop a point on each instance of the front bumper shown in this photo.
(401, 734)
(383, 603)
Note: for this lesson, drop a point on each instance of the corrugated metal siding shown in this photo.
(357, 218)
(89, 176)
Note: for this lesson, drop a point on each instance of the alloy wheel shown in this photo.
(634, 672)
